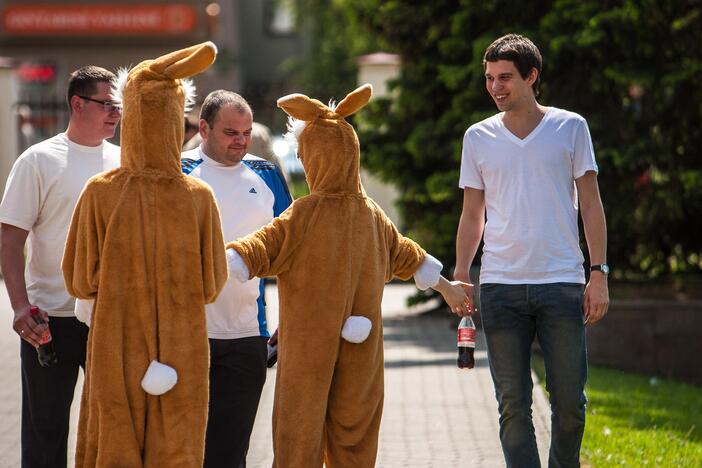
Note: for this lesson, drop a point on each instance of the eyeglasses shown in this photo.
(107, 106)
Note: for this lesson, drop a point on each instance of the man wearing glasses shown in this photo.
(41, 192)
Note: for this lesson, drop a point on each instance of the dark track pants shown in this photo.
(47, 393)
(237, 375)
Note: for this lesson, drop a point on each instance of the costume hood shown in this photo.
(154, 97)
(328, 146)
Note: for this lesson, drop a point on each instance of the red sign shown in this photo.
(37, 72)
(98, 20)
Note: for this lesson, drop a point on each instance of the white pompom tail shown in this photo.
(159, 378)
(356, 329)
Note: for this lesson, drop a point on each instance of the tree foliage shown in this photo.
(631, 68)
(334, 38)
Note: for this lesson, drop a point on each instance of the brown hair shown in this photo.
(83, 82)
(217, 99)
(519, 50)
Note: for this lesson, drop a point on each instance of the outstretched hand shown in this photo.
(458, 296)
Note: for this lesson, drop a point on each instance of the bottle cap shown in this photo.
(34, 310)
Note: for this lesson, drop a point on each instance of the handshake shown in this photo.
(458, 295)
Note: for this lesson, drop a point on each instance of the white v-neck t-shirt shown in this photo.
(531, 233)
(41, 192)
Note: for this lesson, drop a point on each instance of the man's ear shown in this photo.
(204, 129)
(76, 103)
(533, 75)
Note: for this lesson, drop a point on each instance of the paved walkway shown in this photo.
(434, 416)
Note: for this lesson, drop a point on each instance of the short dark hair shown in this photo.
(519, 50)
(217, 99)
(83, 82)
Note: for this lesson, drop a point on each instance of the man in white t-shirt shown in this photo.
(41, 192)
(527, 169)
(250, 191)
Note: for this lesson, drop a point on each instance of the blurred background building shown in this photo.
(42, 41)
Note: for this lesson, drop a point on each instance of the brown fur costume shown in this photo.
(333, 251)
(146, 243)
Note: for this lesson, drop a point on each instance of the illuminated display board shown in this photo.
(103, 19)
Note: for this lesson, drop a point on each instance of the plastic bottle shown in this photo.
(466, 343)
(45, 351)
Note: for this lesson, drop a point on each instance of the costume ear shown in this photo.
(354, 100)
(301, 107)
(186, 62)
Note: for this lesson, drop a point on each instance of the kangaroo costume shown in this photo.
(332, 251)
(146, 245)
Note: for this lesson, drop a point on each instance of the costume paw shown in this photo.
(237, 267)
(84, 310)
(428, 274)
(159, 378)
(356, 329)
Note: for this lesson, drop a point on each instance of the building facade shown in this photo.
(45, 40)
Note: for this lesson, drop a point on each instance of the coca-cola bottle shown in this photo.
(45, 351)
(466, 343)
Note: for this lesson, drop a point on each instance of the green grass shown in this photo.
(636, 421)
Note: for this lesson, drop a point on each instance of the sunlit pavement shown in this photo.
(434, 415)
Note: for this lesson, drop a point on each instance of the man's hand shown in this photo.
(458, 295)
(12, 260)
(462, 276)
(273, 340)
(25, 326)
(596, 298)
(595, 226)
(470, 231)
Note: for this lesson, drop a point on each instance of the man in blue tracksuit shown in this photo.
(250, 192)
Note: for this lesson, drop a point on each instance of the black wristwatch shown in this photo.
(604, 268)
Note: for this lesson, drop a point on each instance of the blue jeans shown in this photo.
(511, 316)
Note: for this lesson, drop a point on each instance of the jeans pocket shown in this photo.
(565, 300)
(500, 305)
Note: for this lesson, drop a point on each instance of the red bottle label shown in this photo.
(45, 337)
(46, 334)
(466, 337)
